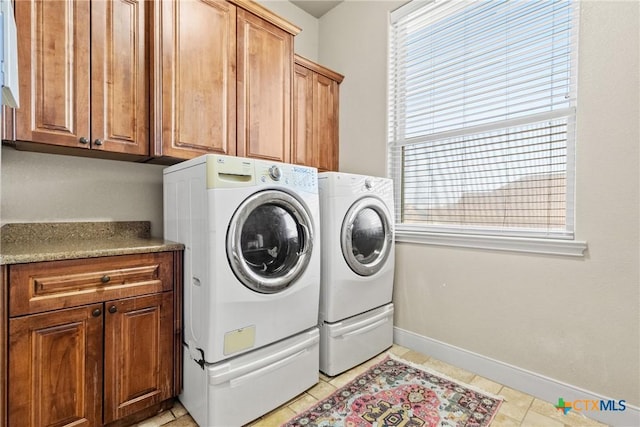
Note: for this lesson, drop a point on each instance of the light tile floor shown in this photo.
(518, 409)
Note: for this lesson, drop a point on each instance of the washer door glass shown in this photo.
(366, 236)
(269, 241)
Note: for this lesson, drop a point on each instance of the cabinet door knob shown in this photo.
(96, 313)
(113, 309)
(83, 140)
(97, 142)
(105, 279)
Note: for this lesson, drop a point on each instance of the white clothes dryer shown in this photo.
(358, 256)
(251, 281)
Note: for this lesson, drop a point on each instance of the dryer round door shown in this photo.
(366, 236)
(269, 241)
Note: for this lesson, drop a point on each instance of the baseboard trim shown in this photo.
(540, 386)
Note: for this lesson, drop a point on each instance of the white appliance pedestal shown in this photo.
(349, 342)
(265, 378)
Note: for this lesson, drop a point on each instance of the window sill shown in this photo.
(498, 243)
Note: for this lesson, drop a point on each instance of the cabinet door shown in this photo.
(194, 83)
(265, 65)
(302, 148)
(53, 53)
(119, 76)
(138, 354)
(55, 368)
(325, 122)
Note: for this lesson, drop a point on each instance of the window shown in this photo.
(482, 118)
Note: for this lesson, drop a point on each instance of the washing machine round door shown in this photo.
(269, 241)
(366, 237)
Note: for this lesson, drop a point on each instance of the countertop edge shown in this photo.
(57, 255)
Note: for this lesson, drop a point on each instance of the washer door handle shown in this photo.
(306, 239)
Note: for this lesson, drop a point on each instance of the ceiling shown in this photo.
(316, 8)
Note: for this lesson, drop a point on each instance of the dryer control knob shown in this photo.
(368, 184)
(275, 173)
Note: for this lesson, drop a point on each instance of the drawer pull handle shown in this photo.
(105, 279)
(96, 313)
(113, 309)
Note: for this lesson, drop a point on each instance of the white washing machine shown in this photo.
(358, 256)
(251, 283)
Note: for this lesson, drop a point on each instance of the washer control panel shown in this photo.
(299, 177)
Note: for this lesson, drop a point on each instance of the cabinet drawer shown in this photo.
(43, 286)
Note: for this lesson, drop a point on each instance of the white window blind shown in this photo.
(482, 112)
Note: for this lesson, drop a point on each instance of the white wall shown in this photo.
(40, 187)
(574, 320)
(354, 43)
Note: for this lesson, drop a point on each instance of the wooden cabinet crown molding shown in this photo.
(320, 69)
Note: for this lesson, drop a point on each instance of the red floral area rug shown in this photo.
(399, 393)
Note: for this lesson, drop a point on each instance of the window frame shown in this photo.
(479, 238)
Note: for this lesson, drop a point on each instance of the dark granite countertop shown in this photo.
(33, 242)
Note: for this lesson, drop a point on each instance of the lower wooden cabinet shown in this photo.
(138, 354)
(55, 368)
(100, 362)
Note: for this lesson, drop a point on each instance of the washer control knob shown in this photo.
(275, 173)
(368, 183)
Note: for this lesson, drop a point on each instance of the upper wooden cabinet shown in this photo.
(315, 115)
(194, 78)
(221, 80)
(302, 149)
(83, 74)
(265, 63)
(170, 80)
